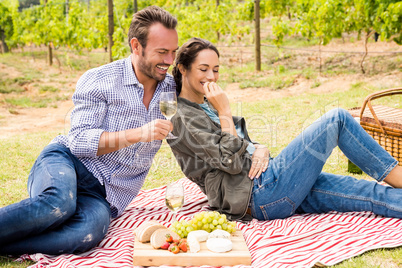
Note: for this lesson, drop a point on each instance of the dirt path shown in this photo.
(327, 85)
(32, 120)
(56, 117)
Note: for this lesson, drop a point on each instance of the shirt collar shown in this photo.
(129, 75)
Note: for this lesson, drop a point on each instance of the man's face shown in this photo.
(160, 52)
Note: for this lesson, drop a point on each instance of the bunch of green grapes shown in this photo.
(204, 220)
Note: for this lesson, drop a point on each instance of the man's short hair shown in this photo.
(144, 19)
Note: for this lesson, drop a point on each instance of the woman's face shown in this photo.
(205, 68)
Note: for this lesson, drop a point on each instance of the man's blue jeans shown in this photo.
(294, 181)
(66, 212)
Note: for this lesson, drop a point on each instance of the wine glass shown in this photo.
(174, 198)
(168, 107)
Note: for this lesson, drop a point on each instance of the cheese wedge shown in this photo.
(199, 235)
(193, 243)
(219, 234)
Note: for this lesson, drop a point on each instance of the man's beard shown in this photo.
(147, 69)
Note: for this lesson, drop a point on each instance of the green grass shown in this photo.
(26, 102)
(46, 88)
(17, 156)
(20, 64)
(272, 82)
(8, 85)
(16, 159)
(6, 262)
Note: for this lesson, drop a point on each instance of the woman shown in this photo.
(240, 178)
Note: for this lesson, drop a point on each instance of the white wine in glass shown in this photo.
(168, 107)
(174, 198)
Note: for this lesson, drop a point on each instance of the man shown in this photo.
(82, 179)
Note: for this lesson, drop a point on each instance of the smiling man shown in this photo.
(82, 179)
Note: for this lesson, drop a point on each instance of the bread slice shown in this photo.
(159, 237)
(145, 234)
(144, 225)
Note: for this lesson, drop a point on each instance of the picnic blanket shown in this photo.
(298, 241)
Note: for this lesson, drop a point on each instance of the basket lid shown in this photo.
(388, 116)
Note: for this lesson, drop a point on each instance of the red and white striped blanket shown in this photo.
(298, 241)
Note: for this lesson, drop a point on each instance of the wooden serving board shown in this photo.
(146, 255)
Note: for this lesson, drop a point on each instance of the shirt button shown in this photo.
(230, 161)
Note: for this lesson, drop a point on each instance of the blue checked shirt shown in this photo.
(109, 98)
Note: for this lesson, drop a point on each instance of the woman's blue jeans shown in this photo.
(294, 181)
(66, 212)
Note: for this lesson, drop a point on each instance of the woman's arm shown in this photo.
(219, 100)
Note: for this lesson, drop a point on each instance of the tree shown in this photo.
(257, 34)
(123, 11)
(24, 26)
(204, 19)
(370, 16)
(327, 19)
(322, 19)
(79, 31)
(111, 28)
(275, 9)
(28, 3)
(392, 23)
(7, 10)
(50, 26)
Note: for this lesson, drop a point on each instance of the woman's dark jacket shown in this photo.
(216, 161)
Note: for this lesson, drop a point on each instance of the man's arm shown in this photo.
(87, 136)
(113, 141)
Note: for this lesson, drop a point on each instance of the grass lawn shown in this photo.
(273, 123)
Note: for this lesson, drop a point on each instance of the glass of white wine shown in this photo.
(168, 107)
(174, 198)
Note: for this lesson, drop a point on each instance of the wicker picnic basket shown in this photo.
(383, 123)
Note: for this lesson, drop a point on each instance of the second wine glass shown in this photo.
(168, 107)
(174, 198)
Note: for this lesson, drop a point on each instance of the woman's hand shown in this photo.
(217, 97)
(260, 160)
(220, 101)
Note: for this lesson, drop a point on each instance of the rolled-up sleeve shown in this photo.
(87, 117)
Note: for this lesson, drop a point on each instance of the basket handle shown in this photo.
(376, 95)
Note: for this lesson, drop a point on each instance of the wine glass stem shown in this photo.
(174, 217)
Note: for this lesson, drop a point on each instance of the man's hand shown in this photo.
(260, 160)
(155, 130)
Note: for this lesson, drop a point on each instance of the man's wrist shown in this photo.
(134, 135)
